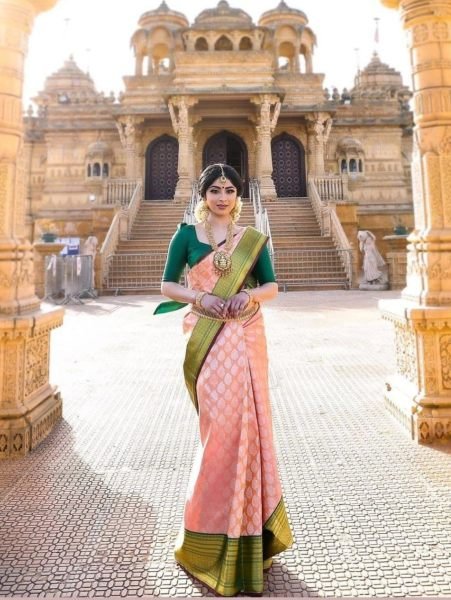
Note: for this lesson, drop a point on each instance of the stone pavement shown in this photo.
(94, 511)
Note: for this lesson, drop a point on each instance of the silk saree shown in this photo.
(234, 519)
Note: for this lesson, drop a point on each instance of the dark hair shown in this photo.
(213, 172)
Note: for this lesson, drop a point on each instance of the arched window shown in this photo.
(106, 170)
(360, 166)
(96, 170)
(223, 43)
(246, 43)
(353, 165)
(201, 44)
(89, 171)
(344, 166)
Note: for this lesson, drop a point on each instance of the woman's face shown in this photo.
(221, 197)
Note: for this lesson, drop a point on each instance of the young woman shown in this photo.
(235, 519)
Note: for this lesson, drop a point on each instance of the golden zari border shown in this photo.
(230, 565)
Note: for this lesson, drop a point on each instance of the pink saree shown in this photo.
(234, 519)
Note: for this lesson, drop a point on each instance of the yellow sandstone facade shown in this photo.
(191, 101)
(222, 89)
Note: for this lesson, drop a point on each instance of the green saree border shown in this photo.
(205, 331)
(230, 565)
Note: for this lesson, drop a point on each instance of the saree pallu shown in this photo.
(235, 518)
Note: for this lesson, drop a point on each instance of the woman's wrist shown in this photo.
(198, 298)
(250, 299)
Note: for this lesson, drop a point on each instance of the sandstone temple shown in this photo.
(223, 89)
(318, 165)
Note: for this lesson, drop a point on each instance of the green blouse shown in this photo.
(186, 249)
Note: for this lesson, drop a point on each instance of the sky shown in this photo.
(97, 33)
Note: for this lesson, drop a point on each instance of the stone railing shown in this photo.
(331, 226)
(119, 191)
(188, 216)
(260, 213)
(120, 229)
(332, 187)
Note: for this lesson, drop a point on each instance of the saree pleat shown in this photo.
(235, 517)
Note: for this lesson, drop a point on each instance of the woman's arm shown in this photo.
(178, 292)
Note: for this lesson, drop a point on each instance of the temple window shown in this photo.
(96, 170)
(344, 166)
(353, 165)
(201, 44)
(106, 170)
(88, 171)
(360, 166)
(223, 43)
(246, 43)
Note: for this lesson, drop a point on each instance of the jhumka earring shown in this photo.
(203, 211)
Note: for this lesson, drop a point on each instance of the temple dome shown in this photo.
(99, 149)
(377, 75)
(223, 17)
(70, 78)
(283, 13)
(349, 144)
(163, 15)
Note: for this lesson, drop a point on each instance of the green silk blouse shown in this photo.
(186, 249)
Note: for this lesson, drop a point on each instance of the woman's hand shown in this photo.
(214, 304)
(236, 304)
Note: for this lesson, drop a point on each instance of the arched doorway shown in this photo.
(161, 168)
(288, 163)
(226, 147)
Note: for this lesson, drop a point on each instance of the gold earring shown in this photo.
(201, 211)
(236, 210)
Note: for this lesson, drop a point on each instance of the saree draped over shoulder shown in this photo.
(234, 519)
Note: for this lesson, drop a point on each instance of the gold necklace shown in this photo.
(222, 260)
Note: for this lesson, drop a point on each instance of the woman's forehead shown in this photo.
(222, 184)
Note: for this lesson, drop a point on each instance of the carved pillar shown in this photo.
(179, 111)
(318, 129)
(127, 128)
(29, 405)
(420, 393)
(266, 124)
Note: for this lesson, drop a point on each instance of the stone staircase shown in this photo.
(303, 259)
(137, 266)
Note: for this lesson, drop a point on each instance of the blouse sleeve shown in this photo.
(177, 255)
(263, 269)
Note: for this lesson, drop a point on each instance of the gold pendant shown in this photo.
(222, 262)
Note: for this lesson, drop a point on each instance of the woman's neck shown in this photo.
(219, 222)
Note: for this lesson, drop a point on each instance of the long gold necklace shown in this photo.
(222, 260)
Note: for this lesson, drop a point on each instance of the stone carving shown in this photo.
(445, 360)
(374, 266)
(440, 31)
(406, 354)
(36, 363)
(3, 195)
(420, 34)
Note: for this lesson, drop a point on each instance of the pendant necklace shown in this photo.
(222, 260)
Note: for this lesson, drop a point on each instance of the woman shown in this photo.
(235, 518)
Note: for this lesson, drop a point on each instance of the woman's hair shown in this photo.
(213, 172)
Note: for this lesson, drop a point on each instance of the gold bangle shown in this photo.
(198, 299)
(250, 301)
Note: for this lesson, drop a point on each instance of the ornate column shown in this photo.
(319, 125)
(420, 393)
(29, 405)
(127, 128)
(266, 125)
(179, 111)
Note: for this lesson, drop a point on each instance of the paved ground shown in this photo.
(94, 511)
